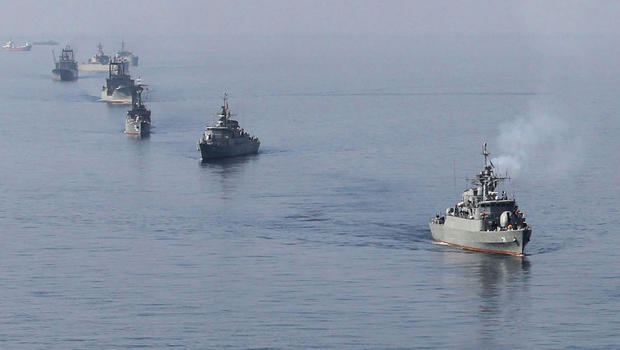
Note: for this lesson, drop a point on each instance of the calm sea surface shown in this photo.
(321, 240)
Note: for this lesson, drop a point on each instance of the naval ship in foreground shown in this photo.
(138, 120)
(484, 220)
(119, 87)
(226, 138)
(66, 67)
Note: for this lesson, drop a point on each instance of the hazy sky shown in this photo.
(306, 17)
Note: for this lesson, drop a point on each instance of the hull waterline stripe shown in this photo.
(480, 249)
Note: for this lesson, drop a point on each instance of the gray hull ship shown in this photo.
(226, 138)
(97, 63)
(484, 220)
(127, 56)
(138, 121)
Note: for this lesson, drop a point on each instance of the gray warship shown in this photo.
(97, 63)
(226, 138)
(484, 220)
(127, 56)
(138, 121)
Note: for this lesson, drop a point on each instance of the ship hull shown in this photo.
(511, 242)
(120, 95)
(65, 74)
(25, 48)
(140, 129)
(47, 43)
(209, 151)
(90, 67)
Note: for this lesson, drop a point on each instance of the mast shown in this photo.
(487, 178)
(226, 109)
(486, 154)
(138, 97)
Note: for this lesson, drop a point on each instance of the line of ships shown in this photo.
(484, 220)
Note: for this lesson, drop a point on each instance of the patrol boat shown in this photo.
(119, 87)
(66, 67)
(226, 138)
(138, 120)
(97, 63)
(484, 220)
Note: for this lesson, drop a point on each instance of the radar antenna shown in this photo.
(226, 108)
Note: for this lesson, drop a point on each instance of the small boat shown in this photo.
(66, 67)
(138, 121)
(97, 63)
(10, 46)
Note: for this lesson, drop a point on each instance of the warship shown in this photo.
(138, 120)
(484, 220)
(226, 138)
(66, 68)
(128, 56)
(10, 46)
(97, 63)
(119, 87)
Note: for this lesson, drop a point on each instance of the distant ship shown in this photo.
(128, 56)
(119, 87)
(66, 68)
(48, 42)
(484, 220)
(226, 138)
(97, 63)
(10, 46)
(138, 121)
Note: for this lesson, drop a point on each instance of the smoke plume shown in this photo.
(541, 143)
